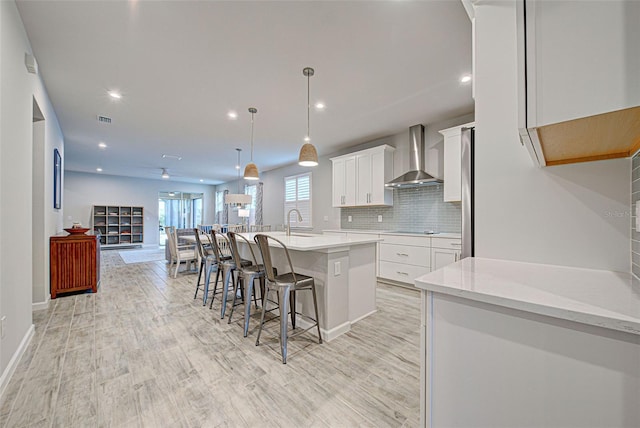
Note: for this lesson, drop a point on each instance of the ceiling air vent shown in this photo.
(104, 119)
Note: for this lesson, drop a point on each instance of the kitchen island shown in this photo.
(344, 270)
(520, 344)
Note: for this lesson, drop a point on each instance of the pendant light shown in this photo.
(308, 154)
(251, 170)
(237, 199)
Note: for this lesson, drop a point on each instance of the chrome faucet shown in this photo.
(289, 219)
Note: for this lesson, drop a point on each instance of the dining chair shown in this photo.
(286, 285)
(247, 275)
(255, 228)
(179, 253)
(208, 264)
(238, 228)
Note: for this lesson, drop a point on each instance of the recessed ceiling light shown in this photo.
(320, 106)
(465, 79)
(201, 180)
(99, 169)
(115, 94)
(102, 145)
(232, 115)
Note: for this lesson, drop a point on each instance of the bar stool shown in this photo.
(246, 279)
(285, 285)
(228, 265)
(208, 263)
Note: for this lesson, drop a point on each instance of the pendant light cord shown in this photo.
(308, 106)
(238, 168)
(252, 137)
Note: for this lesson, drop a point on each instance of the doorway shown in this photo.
(182, 210)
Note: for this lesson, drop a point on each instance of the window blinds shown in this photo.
(297, 194)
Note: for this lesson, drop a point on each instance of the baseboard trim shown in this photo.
(38, 306)
(364, 316)
(327, 335)
(13, 363)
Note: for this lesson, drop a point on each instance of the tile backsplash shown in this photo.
(416, 210)
(635, 234)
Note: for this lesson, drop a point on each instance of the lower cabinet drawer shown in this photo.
(405, 254)
(401, 272)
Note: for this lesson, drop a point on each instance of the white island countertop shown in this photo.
(314, 242)
(595, 297)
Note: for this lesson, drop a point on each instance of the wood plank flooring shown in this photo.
(143, 353)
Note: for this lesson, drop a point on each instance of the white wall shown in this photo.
(18, 89)
(83, 190)
(576, 215)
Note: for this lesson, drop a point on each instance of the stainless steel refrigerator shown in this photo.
(467, 141)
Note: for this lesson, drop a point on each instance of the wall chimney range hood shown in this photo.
(415, 177)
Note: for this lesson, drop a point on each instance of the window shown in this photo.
(253, 191)
(297, 194)
(219, 205)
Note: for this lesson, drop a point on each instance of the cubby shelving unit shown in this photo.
(118, 226)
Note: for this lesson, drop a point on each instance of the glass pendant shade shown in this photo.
(251, 172)
(308, 155)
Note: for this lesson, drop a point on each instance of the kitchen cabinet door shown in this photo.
(344, 181)
(452, 162)
(443, 256)
(381, 172)
(363, 187)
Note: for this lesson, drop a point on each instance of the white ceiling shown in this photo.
(381, 66)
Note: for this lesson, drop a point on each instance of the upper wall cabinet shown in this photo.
(452, 191)
(579, 91)
(359, 178)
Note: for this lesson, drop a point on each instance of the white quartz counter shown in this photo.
(314, 242)
(596, 297)
(389, 232)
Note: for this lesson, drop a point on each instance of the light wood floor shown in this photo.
(143, 353)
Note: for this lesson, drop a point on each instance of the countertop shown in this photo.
(311, 242)
(595, 297)
(391, 232)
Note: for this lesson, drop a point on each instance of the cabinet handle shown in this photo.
(403, 254)
(455, 257)
(402, 273)
(456, 244)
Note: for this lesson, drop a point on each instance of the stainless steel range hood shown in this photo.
(416, 176)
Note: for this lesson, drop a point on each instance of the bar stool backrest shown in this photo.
(235, 253)
(217, 251)
(263, 244)
(199, 246)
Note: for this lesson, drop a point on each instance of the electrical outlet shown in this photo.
(349, 219)
(326, 218)
(379, 219)
(336, 268)
(2, 329)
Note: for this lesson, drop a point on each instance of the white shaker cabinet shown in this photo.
(452, 162)
(344, 181)
(444, 251)
(404, 258)
(578, 87)
(359, 178)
